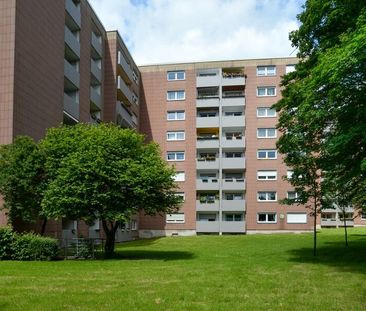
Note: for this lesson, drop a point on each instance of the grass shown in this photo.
(255, 272)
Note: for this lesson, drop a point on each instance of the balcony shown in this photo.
(95, 99)
(233, 226)
(124, 68)
(233, 101)
(96, 43)
(96, 71)
(207, 80)
(233, 205)
(207, 226)
(72, 44)
(72, 75)
(71, 106)
(126, 119)
(207, 206)
(235, 142)
(207, 184)
(207, 122)
(207, 102)
(207, 142)
(233, 121)
(333, 222)
(229, 79)
(123, 92)
(233, 184)
(233, 163)
(207, 164)
(73, 17)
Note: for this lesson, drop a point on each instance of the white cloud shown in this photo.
(163, 31)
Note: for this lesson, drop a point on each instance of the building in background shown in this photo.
(213, 120)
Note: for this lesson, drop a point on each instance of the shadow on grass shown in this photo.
(149, 255)
(335, 254)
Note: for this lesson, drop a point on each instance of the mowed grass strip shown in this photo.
(254, 272)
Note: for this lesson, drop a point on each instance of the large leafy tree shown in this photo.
(323, 110)
(22, 180)
(107, 173)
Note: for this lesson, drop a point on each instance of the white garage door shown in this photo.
(296, 218)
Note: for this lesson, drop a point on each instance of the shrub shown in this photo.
(7, 236)
(30, 246)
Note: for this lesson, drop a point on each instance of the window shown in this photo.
(289, 174)
(267, 154)
(175, 135)
(176, 75)
(292, 195)
(176, 95)
(266, 112)
(233, 113)
(133, 224)
(296, 218)
(176, 115)
(266, 133)
(363, 216)
(175, 156)
(270, 196)
(266, 91)
(290, 68)
(267, 218)
(206, 156)
(180, 176)
(266, 70)
(234, 135)
(181, 195)
(207, 114)
(233, 154)
(266, 175)
(233, 196)
(206, 217)
(175, 218)
(233, 217)
(208, 198)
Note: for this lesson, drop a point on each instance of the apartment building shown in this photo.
(215, 124)
(213, 120)
(58, 64)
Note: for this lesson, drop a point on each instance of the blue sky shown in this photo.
(165, 31)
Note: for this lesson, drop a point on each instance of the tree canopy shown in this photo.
(323, 110)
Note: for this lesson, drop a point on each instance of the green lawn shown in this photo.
(255, 272)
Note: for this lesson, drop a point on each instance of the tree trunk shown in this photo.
(345, 229)
(43, 228)
(315, 214)
(110, 233)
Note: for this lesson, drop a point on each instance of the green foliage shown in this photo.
(322, 112)
(21, 179)
(107, 173)
(7, 236)
(30, 246)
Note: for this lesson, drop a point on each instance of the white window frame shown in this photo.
(175, 134)
(176, 115)
(176, 218)
(182, 195)
(267, 194)
(266, 109)
(175, 156)
(296, 195)
(267, 72)
(175, 73)
(289, 174)
(290, 68)
(266, 151)
(297, 222)
(176, 96)
(267, 221)
(266, 88)
(266, 131)
(180, 176)
(266, 174)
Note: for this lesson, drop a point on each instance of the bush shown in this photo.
(30, 246)
(7, 236)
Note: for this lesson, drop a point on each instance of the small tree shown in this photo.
(22, 180)
(107, 173)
